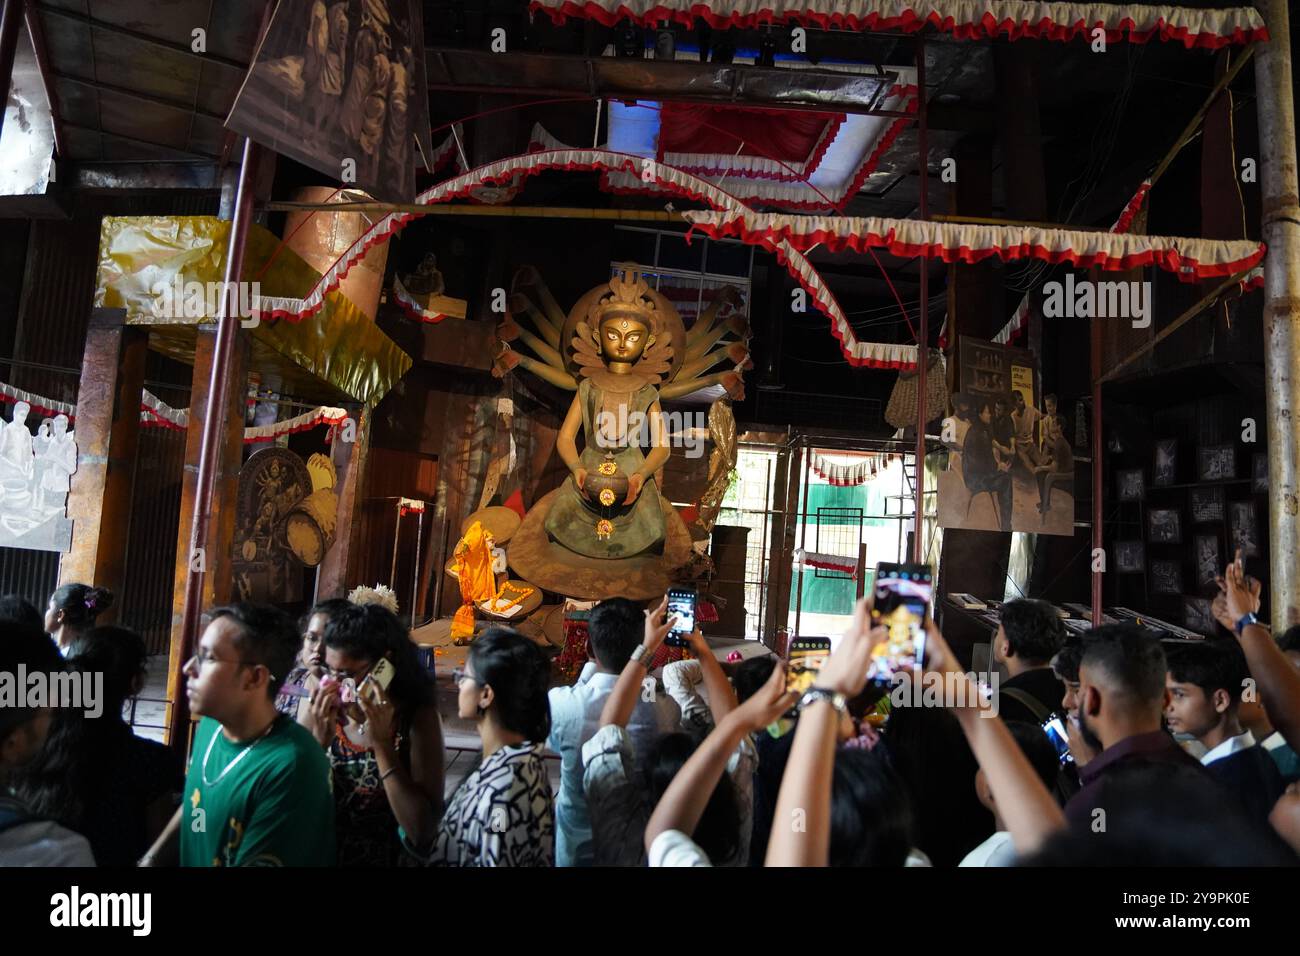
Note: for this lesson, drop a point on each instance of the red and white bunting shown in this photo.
(412, 307)
(515, 169)
(825, 562)
(964, 19)
(1019, 320)
(857, 471)
(155, 413)
(1189, 259)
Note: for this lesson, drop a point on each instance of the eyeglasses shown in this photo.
(459, 675)
(349, 675)
(201, 657)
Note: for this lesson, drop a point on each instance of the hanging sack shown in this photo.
(901, 410)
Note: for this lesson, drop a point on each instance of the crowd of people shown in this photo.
(321, 744)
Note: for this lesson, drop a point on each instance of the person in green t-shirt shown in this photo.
(258, 788)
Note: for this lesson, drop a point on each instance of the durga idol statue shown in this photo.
(621, 348)
(609, 506)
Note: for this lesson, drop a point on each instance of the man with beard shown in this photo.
(1121, 699)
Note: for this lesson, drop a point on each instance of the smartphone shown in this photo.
(902, 602)
(380, 676)
(807, 655)
(681, 605)
(1054, 727)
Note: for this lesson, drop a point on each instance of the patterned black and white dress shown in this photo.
(501, 815)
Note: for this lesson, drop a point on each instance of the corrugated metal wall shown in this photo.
(146, 601)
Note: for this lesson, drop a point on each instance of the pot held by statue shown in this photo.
(606, 484)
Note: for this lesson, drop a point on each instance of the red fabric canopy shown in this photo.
(790, 136)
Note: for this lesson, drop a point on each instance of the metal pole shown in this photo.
(1281, 232)
(397, 535)
(415, 575)
(923, 339)
(11, 15)
(1097, 446)
(219, 385)
(803, 539)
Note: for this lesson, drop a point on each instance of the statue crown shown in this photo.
(629, 297)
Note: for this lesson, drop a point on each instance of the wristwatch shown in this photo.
(641, 655)
(814, 694)
(1244, 622)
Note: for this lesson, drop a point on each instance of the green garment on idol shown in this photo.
(272, 808)
(638, 528)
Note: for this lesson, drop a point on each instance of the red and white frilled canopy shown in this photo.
(964, 19)
(1189, 259)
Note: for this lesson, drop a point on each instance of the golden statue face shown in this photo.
(623, 339)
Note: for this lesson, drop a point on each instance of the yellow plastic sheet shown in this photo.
(339, 345)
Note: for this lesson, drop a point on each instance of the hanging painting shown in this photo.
(341, 87)
(1010, 462)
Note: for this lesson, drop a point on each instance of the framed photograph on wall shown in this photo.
(1165, 469)
(1130, 484)
(1243, 532)
(1216, 462)
(1259, 474)
(1130, 557)
(1209, 565)
(1198, 616)
(1207, 504)
(1164, 526)
(1167, 577)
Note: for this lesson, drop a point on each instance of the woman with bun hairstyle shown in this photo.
(72, 612)
(383, 738)
(502, 814)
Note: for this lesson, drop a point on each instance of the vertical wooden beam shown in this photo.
(218, 580)
(107, 433)
(350, 460)
(1280, 185)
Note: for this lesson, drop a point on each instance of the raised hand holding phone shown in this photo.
(766, 704)
(902, 594)
(657, 627)
(846, 670)
(681, 605)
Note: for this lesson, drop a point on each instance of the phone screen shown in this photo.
(681, 605)
(1054, 727)
(902, 601)
(807, 655)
